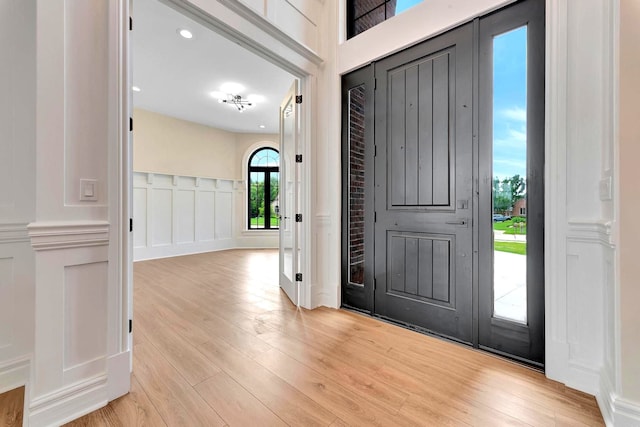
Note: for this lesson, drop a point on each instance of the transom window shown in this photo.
(264, 186)
(364, 14)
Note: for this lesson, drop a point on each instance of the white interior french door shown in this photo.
(289, 140)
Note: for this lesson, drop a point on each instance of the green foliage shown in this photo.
(258, 206)
(507, 191)
(519, 248)
(512, 226)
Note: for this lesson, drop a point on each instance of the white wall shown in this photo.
(17, 191)
(178, 215)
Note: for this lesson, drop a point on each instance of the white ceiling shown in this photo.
(176, 75)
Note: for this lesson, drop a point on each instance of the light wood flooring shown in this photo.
(12, 407)
(217, 343)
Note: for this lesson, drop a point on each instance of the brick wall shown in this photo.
(356, 184)
(369, 13)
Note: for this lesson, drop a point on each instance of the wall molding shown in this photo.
(210, 217)
(69, 403)
(13, 233)
(15, 373)
(64, 235)
(268, 27)
(597, 232)
(615, 410)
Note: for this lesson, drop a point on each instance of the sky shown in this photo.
(402, 5)
(509, 103)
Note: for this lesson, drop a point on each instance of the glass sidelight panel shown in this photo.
(356, 184)
(509, 175)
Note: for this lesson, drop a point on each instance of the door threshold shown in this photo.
(485, 350)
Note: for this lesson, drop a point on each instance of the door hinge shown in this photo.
(375, 150)
(375, 84)
(130, 325)
(375, 216)
(298, 217)
(298, 99)
(130, 224)
(130, 124)
(130, 24)
(298, 158)
(298, 277)
(375, 283)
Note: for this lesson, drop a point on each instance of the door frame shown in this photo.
(266, 41)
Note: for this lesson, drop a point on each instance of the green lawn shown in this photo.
(519, 248)
(508, 227)
(259, 222)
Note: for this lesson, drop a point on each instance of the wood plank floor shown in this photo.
(12, 407)
(217, 343)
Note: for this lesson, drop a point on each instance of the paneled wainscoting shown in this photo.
(178, 215)
(217, 343)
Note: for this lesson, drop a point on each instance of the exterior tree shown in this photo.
(507, 191)
(517, 188)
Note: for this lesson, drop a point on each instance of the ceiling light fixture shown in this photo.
(262, 126)
(236, 101)
(135, 88)
(185, 33)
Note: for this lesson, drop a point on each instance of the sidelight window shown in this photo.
(510, 172)
(263, 189)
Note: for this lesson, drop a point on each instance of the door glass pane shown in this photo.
(275, 205)
(510, 175)
(287, 207)
(356, 185)
(256, 200)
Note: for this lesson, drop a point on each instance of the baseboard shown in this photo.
(15, 373)
(69, 403)
(157, 252)
(616, 411)
(119, 373)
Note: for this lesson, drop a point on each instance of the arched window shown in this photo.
(264, 185)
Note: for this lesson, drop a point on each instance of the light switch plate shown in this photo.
(89, 190)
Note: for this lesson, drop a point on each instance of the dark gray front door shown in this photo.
(423, 185)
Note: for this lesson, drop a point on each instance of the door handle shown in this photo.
(461, 222)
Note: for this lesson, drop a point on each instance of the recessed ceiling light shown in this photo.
(135, 88)
(231, 87)
(185, 33)
(262, 126)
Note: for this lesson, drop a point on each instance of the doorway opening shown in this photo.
(208, 165)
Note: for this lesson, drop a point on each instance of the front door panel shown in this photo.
(423, 186)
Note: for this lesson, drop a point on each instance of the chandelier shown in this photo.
(236, 101)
